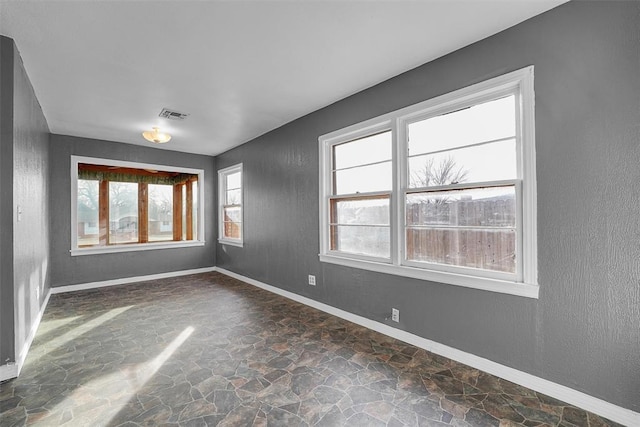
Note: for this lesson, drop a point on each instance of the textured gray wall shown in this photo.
(584, 331)
(7, 347)
(31, 193)
(67, 270)
(24, 183)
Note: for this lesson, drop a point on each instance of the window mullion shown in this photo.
(465, 186)
(177, 212)
(396, 205)
(360, 196)
(462, 147)
(189, 185)
(103, 208)
(402, 156)
(143, 212)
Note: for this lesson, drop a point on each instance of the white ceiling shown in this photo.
(105, 69)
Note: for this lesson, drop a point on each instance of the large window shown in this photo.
(443, 190)
(230, 205)
(123, 206)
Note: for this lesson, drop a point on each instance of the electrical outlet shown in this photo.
(395, 314)
(312, 280)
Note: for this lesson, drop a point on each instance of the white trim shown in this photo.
(523, 282)
(75, 250)
(22, 356)
(361, 130)
(135, 247)
(12, 370)
(582, 400)
(126, 280)
(222, 190)
(8, 371)
(529, 187)
(466, 281)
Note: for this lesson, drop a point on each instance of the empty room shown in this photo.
(320, 213)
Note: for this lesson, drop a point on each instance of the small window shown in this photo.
(123, 206)
(443, 190)
(230, 202)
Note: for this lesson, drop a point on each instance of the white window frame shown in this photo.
(132, 247)
(525, 281)
(378, 127)
(222, 175)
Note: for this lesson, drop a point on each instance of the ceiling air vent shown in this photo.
(172, 115)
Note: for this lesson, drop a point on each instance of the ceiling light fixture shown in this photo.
(156, 136)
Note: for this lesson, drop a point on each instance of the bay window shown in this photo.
(123, 206)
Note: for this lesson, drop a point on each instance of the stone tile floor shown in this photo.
(210, 350)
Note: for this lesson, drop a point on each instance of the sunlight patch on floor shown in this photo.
(114, 390)
(47, 326)
(83, 328)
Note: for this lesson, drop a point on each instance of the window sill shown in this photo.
(237, 243)
(482, 283)
(135, 247)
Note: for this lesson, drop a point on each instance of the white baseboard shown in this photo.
(125, 280)
(22, 355)
(13, 370)
(8, 371)
(582, 400)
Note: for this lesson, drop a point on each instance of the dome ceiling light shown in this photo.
(156, 136)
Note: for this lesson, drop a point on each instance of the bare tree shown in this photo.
(432, 174)
(88, 194)
(161, 202)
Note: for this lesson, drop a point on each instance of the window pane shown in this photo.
(362, 240)
(370, 149)
(88, 214)
(479, 207)
(371, 211)
(233, 197)
(489, 249)
(488, 162)
(232, 222)
(480, 123)
(123, 212)
(470, 228)
(160, 212)
(234, 181)
(363, 179)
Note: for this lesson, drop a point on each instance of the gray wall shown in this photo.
(7, 347)
(24, 245)
(67, 269)
(584, 331)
